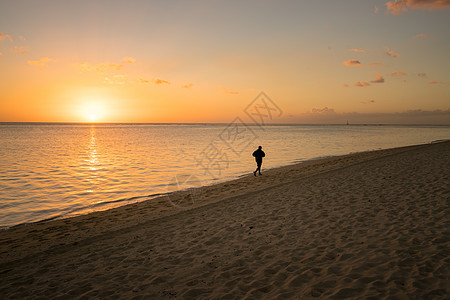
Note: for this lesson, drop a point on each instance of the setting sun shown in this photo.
(93, 111)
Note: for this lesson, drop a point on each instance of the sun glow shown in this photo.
(93, 111)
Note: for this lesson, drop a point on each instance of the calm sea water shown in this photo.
(51, 170)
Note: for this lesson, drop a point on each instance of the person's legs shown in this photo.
(258, 169)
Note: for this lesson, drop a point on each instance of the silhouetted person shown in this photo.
(258, 154)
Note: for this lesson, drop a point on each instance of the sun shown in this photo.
(92, 111)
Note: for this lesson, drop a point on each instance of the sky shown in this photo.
(318, 61)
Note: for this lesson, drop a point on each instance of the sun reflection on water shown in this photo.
(92, 151)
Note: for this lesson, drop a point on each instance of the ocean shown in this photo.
(60, 170)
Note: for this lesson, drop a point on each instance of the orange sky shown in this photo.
(327, 62)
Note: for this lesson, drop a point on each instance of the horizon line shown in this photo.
(214, 123)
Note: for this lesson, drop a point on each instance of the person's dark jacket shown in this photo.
(259, 154)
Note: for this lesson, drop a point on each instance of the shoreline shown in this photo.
(366, 224)
(152, 197)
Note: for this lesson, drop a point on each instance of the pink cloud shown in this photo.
(398, 7)
(345, 85)
(398, 73)
(378, 79)
(375, 10)
(358, 50)
(438, 82)
(352, 62)
(375, 64)
(392, 53)
(361, 84)
(421, 36)
(4, 36)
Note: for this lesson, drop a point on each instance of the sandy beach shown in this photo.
(369, 225)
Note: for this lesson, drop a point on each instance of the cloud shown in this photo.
(40, 63)
(392, 53)
(398, 7)
(420, 36)
(19, 49)
(375, 10)
(101, 68)
(1, 54)
(417, 116)
(437, 82)
(128, 60)
(358, 50)
(160, 81)
(375, 64)
(423, 75)
(116, 79)
(378, 79)
(4, 36)
(324, 110)
(229, 91)
(187, 86)
(368, 101)
(361, 84)
(156, 81)
(398, 73)
(352, 62)
(345, 85)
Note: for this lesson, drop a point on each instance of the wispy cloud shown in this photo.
(375, 64)
(421, 36)
(324, 110)
(229, 91)
(19, 49)
(375, 10)
(423, 75)
(41, 62)
(438, 82)
(116, 79)
(187, 86)
(378, 79)
(160, 81)
(4, 36)
(345, 85)
(398, 7)
(358, 50)
(156, 81)
(417, 116)
(361, 84)
(368, 101)
(352, 62)
(391, 53)
(128, 60)
(398, 73)
(101, 68)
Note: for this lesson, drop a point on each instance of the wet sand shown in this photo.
(366, 225)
